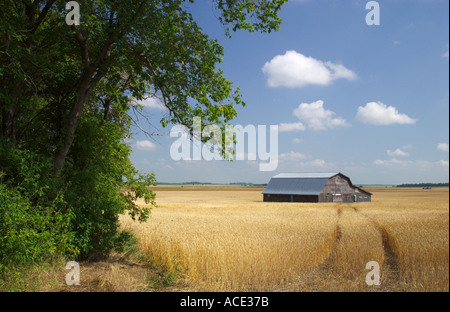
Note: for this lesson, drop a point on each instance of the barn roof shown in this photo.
(298, 183)
(306, 175)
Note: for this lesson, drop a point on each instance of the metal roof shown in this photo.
(298, 183)
(306, 175)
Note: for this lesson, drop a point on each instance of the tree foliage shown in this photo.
(65, 94)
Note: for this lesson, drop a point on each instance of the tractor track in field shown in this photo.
(328, 263)
(391, 268)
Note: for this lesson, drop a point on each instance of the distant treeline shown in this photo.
(209, 183)
(184, 183)
(247, 184)
(424, 185)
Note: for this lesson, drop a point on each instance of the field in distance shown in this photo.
(225, 238)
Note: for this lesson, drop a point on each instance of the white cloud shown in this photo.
(152, 103)
(408, 146)
(446, 53)
(294, 70)
(317, 163)
(443, 147)
(291, 156)
(316, 117)
(377, 113)
(145, 145)
(298, 161)
(297, 140)
(290, 127)
(443, 163)
(394, 162)
(398, 152)
(339, 71)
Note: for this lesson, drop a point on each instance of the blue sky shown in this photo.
(371, 102)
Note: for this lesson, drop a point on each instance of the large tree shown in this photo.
(136, 48)
(66, 92)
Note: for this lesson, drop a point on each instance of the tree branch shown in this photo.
(42, 16)
(140, 128)
(160, 85)
(83, 45)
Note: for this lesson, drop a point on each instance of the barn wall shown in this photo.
(325, 198)
(363, 197)
(338, 185)
(339, 189)
(291, 198)
(306, 198)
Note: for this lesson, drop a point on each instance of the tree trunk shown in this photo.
(88, 82)
(8, 124)
(71, 125)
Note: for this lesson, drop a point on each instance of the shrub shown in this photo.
(31, 233)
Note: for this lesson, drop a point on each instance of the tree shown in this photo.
(65, 91)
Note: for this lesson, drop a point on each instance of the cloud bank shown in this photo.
(397, 153)
(294, 70)
(145, 145)
(313, 116)
(379, 114)
(443, 147)
(316, 117)
(152, 103)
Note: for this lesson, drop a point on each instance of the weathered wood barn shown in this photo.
(314, 188)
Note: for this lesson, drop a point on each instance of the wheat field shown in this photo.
(224, 238)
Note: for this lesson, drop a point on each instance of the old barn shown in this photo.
(314, 188)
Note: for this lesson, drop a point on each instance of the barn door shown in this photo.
(338, 198)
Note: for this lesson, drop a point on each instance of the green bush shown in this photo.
(77, 213)
(30, 233)
(99, 169)
(34, 220)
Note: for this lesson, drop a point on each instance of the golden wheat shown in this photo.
(417, 230)
(227, 239)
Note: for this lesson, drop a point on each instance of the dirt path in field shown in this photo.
(328, 264)
(327, 277)
(314, 280)
(390, 272)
